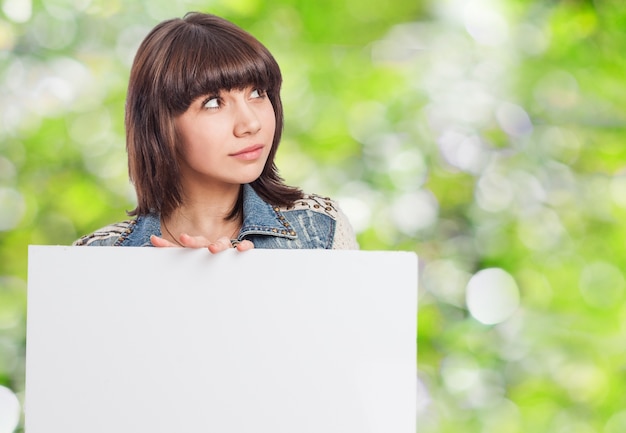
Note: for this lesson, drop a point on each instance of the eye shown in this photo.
(212, 102)
(258, 93)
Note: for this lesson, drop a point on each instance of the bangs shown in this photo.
(202, 62)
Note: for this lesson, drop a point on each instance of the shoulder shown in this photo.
(344, 236)
(315, 203)
(106, 236)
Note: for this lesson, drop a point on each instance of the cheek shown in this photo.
(199, 136)
(269, 119)
(195, 147)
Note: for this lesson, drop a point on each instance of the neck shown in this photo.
(205, 214)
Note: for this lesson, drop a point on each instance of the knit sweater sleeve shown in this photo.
(344, 239)
(106, 236)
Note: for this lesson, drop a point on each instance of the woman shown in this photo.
(203, 122)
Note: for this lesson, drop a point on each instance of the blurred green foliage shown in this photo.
(484, 135)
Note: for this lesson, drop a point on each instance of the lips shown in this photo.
(249, 153)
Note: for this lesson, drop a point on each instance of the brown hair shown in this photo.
(178, 61)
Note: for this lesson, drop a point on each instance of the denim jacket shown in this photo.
(312, 222)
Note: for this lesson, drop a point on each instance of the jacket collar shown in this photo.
(259, 218)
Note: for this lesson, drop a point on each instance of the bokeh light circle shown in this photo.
(9, 409)
(492, 296)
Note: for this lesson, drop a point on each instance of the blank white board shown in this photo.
(132, 340)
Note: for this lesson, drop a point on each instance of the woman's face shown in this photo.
(226, 138)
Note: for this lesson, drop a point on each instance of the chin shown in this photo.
(251, 177)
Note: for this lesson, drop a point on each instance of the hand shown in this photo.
(188, 241)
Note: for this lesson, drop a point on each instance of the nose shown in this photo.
(247, 121)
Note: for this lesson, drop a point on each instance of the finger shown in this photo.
(160, 242)
(193, 241)
(245, 245)
(220, 245)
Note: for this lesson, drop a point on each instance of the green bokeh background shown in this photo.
(483, 135)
